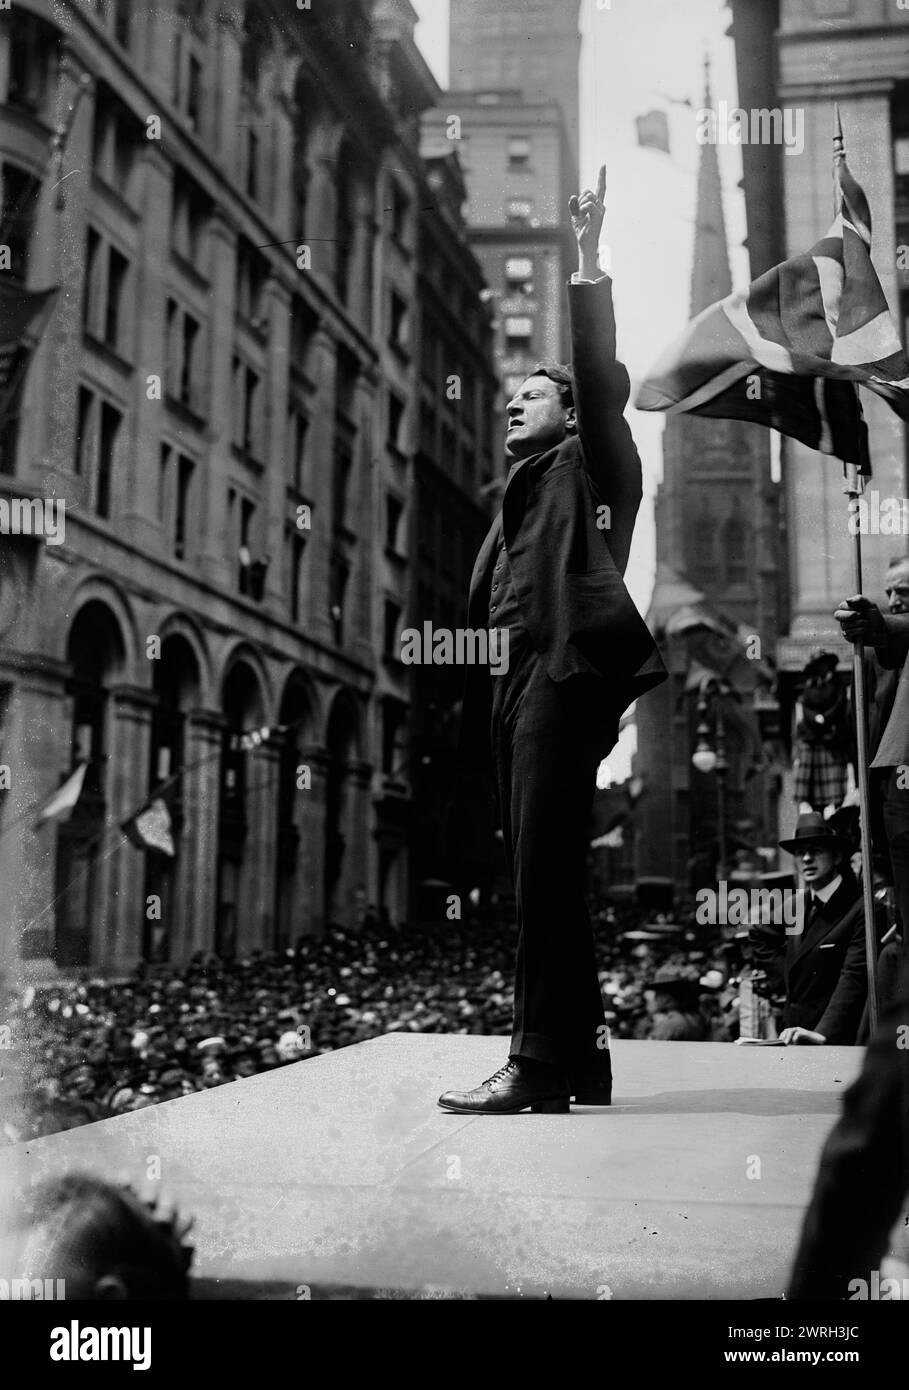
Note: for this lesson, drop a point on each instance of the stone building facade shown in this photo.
(224, 400)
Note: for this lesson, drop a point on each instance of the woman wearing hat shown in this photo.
(820, 961)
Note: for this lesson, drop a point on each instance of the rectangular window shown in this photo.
(519, 275)
(247, 518)
(107, 444)
(250, 411)
(400, 210)
(340, 574)
(297, 547)
(164, 482)
(519, 209)
(518, 333)
(117, 267)
(190, 222)
(30, 53)
(251, 274)
(392, 619)
(193, 91)
(395, 420)
(83, 425)
(20, 200)
(91, 289)
(122, 21)
(398, 327)
(188, 384)
(298, 425)
(343, 466)
(518, 152)
(184, 485)
(393, 511)
(392, 720)
(252, 164)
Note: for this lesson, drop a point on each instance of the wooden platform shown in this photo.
(342, 1171)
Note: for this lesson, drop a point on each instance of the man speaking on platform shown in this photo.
(550, 571)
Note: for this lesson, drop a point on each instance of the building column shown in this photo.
(35, 748)
(356, 830)
(53, 379)
(278, 311)
(360, 297)
(255, 928)
(197, 880)
(216, 564)
(121, 876)
(141, 516)
(320, 446)
(310, 820)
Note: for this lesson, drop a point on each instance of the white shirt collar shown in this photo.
(827, 892)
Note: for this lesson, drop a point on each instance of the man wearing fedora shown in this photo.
(819, 962)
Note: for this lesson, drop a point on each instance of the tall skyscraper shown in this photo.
(513, 111)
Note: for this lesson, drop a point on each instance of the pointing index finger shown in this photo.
(601, 183)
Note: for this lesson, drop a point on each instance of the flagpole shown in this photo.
(854, 487)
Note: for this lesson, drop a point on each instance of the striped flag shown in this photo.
(789, 351)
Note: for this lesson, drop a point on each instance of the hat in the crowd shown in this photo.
(674, 979)
(812, 829)
(820, 660)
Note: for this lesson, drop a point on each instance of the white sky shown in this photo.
(631, 54)
(635, 54)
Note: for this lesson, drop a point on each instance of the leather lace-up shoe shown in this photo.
(513, 1088)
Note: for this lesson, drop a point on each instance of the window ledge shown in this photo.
(110, 354)
(187, 268)
(250, 459)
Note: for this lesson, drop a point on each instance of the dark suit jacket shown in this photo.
(822, 970)
(567, 572)
(863, 1177)
(890, 747)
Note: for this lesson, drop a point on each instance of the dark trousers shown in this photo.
(547, 741)
(896, 825)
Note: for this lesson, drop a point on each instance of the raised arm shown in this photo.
(601, 385)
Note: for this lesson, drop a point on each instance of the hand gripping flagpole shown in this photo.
(854, 487)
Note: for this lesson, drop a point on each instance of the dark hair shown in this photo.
(560, 373)
(107, 1230)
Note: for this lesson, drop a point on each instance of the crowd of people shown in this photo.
(93, 1047)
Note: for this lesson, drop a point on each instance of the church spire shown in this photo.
(710, 276)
